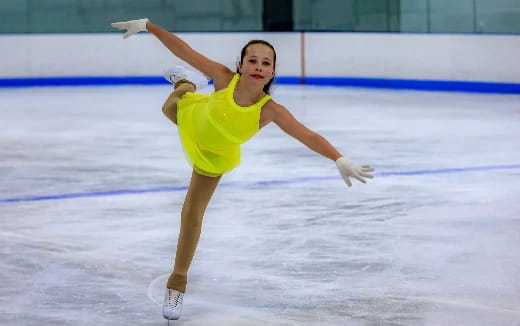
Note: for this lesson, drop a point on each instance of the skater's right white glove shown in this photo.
(131, 26)
(347, 169)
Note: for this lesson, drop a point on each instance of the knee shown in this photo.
(192, 218)
(192, 224)
(169, 109)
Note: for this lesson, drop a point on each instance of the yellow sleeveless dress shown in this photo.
(212, 127)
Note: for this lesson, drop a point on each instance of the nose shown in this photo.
(258, 68)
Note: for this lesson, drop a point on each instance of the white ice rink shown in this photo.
(92, 180)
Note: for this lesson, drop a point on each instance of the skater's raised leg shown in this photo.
(184, 80)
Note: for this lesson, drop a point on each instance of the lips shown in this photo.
(257, 76)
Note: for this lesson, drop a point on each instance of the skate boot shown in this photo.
(177, 73)
(172, 306)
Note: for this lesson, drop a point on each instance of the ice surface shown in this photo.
(418, 249)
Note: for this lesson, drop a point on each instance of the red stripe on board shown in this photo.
(302, 57)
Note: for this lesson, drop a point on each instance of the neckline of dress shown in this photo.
(234, 83)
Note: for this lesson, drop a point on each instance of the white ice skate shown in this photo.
(172, 306)
(177, 73)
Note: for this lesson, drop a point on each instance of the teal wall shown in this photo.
(413, 16)
(78, 16)
(347, 15)
(460, 16)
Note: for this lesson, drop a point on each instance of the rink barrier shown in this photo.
(425, 85)
(252, 184)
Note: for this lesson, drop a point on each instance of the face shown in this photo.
(258, 64)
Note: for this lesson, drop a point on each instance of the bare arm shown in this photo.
(216, 71)
(286, 121)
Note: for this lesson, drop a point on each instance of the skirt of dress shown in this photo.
(205, 148)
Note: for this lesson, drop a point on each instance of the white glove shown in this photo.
(132, 26)
(348, 169)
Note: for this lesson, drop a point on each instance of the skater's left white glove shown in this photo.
(347, 169)
(131, 26)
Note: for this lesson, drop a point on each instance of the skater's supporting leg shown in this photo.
(197, 198)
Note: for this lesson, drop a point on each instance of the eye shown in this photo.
(252, 61)
(266, 63)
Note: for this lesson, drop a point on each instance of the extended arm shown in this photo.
(216, 71)
(184, 52)
(286, 121)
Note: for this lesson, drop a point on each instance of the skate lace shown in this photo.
(173, 300)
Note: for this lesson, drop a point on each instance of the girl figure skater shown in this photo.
(212, 127)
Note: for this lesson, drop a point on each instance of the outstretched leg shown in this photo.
(197, 198)
(170, 106)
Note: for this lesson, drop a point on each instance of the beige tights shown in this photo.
(170, 106)
(197, 198)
